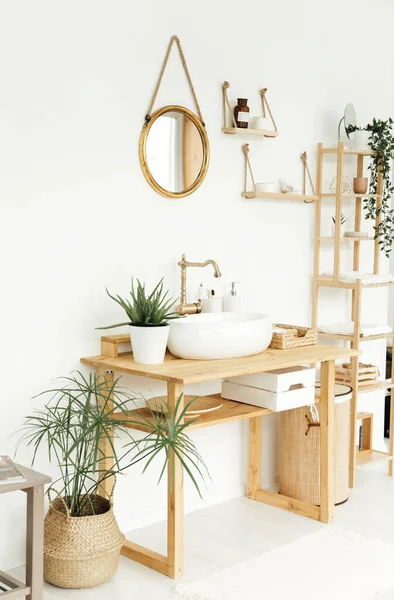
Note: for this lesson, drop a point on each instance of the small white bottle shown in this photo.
(232, 303)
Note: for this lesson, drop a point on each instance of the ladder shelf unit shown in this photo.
(357, 287)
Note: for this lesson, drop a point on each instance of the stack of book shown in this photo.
(367, 374)
(9, 471)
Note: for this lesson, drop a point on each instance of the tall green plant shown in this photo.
(381, 142)
(83, 413)
(145, 310)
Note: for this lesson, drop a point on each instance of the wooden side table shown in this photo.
(34, 488)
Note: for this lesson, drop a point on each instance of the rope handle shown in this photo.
(175, 39)
(60, 497)
(111, 495)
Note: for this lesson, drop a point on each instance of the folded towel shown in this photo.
(347, 328)
(366, 278)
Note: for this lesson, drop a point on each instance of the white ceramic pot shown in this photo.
(261, 123)
(361, 140)
(149, 343)
(265, 186)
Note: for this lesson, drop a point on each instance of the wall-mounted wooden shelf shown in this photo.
(250, 131)
(253, 193)
(280, 195)
(233, 130)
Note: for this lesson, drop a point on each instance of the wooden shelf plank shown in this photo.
(230, 411)
(348, 151)
(250, 131)
(368, 457)
(280, 196)
(376, 385)
(349, 337)
(333, 195)
(178, 370)
(348, 238)
(349, 285)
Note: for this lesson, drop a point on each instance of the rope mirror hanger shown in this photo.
(180, 169)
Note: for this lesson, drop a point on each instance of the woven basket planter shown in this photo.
(81, 552)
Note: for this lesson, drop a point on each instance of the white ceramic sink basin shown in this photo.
(221, 335)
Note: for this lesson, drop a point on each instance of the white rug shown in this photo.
(330, 564)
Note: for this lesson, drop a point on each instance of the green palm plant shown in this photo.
(84, 412)
(146, 310)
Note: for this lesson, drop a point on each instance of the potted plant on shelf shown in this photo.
(148, 317)
(381, 142)
(78, 428)
(343, 221)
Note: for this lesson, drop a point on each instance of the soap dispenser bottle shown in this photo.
(232, 303)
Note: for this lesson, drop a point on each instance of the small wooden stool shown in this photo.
(34, 488)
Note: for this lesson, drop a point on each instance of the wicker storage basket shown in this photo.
(293, 337)
(299, 473)
(80, 552)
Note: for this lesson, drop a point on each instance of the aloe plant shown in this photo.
(83, 413)
(143, 310)
(343, 219)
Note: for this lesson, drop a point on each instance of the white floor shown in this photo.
(228, 533)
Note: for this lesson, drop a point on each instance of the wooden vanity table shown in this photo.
(178, 372)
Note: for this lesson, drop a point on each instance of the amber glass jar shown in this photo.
(241, 113)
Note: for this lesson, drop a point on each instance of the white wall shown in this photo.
(76, 214)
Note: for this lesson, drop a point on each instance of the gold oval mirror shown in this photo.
(174, 151)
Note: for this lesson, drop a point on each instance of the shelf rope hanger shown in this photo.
(226, 102)
(248, 167)
(304, 159)
(175, 39)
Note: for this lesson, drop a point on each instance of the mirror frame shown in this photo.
(142, 151)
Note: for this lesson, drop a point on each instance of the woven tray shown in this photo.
(293, 337)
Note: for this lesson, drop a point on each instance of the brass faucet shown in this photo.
(195, 307)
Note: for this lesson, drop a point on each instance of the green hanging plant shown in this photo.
(381, 142)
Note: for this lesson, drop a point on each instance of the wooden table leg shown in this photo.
(255, 455)
(106, 460)
(327, 465)
(175, 518)
(35, 542)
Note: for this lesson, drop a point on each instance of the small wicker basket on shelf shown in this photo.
(292, 336)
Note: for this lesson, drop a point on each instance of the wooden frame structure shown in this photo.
(357, 288)
(34, 489)
(176, 373)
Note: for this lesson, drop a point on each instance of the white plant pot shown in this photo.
(361, 140)
(149, 343)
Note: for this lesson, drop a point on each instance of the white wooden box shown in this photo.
(281, 380)
(275, 401)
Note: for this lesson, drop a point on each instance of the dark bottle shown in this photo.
(241, 113)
